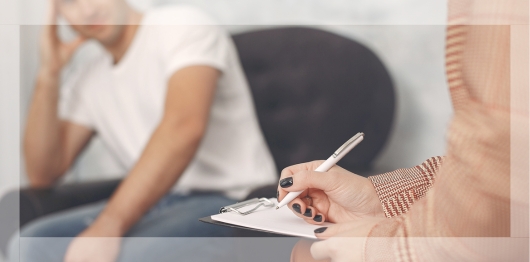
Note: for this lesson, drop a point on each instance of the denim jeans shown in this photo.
(175, 216)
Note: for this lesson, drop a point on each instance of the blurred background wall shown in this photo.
(407, 35)
(9, 96)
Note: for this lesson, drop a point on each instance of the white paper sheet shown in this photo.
(281, 221)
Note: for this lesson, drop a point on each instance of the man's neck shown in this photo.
(120, 47)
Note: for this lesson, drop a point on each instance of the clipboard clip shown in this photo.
(235, 207)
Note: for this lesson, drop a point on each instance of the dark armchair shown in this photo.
(312, 90)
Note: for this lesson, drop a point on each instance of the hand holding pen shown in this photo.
(335, 195)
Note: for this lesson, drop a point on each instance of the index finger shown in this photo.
(291, 170)
(309, 166)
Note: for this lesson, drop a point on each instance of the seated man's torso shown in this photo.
(124, 102)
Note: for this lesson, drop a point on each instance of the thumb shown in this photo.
(321, 250)
(302, 180)
(339, 249)
(354, 228)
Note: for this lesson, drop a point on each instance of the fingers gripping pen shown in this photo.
(330, 162)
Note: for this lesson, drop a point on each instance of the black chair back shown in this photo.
(313, 90)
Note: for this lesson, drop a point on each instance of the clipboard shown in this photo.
(209, 220)
(260, 215)
(257, 202)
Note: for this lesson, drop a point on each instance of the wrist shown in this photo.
(377, 207)
(108, 225)
(48, 75)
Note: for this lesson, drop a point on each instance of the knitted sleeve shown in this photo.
(399, 189)
(475, 199)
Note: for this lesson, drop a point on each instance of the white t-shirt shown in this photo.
(124, 103)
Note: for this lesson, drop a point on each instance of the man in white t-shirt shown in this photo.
(170, 101)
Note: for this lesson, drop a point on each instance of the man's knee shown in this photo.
(68, 223)
(40, 249)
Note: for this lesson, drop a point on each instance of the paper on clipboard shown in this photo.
(281, 221)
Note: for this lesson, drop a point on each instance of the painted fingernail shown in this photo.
(296, 207)
(277, 194)
(286, 182)
(318, 218)
(308, 212)
(320, 230)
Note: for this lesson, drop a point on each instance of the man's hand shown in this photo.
(97, 243)
(51, 144)
(336, 195)
(55, 54)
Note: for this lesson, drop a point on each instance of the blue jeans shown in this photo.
(175, 216)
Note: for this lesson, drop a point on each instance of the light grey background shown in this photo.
(9, 97)
(407, 35)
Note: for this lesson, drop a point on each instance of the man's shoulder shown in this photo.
(177, 15)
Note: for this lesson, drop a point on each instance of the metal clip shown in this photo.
(234, 208)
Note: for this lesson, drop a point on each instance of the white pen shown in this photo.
(331, 161)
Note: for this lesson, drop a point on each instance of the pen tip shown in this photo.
(277, 208)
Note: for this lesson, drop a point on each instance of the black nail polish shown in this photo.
(320, 230)
(318, 218)
(277, 195)
(308, 212)
(296, 207)
(286, 182)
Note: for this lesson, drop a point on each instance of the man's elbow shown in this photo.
(193, 131)
(40, 181)
(43, 177)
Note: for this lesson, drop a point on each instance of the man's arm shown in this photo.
(167, 154)
(51, 145)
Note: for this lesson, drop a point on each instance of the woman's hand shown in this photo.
(343, 242)
(336, 195)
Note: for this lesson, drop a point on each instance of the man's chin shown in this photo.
(104, 36)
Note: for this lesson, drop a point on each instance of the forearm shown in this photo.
(166, 156)
(42, 139)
